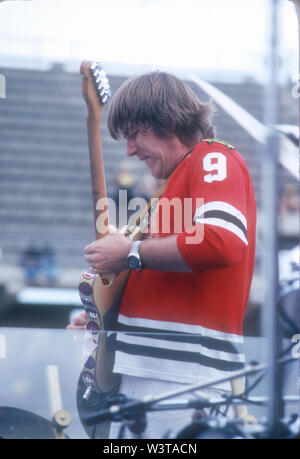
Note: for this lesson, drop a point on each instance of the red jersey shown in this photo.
(187, 327)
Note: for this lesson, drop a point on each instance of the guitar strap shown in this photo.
(143, 219)
(152, 204)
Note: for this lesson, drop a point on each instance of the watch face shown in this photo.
(134, 262)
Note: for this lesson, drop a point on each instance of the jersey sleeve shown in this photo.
(218, 182)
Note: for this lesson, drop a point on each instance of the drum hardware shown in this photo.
(61, 418)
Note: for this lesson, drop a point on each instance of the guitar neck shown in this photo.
(97, 177)
(96, 92)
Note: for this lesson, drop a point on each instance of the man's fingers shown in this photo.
(92, 270)
(75, 327)
(90, 258)
(79, 319)
(89, 249)
(113, 229)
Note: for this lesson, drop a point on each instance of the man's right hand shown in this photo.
(78, 321)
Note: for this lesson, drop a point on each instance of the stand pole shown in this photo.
(269, 179)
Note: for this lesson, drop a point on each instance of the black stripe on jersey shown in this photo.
(205, 341)
(180, 356)
(224, 216)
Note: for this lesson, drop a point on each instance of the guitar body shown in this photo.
(98, 386)
(102, 306)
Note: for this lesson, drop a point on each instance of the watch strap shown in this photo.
(135, 248)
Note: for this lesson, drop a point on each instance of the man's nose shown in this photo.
(131, 148)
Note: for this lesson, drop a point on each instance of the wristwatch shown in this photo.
(134, 260)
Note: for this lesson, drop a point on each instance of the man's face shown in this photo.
(160, 155)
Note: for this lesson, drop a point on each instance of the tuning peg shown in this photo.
(95, 73)
(102, 93)
(101, 78)
(103, 88)
(101, 81)
(94, 64)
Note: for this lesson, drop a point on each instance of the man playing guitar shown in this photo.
(182, 309)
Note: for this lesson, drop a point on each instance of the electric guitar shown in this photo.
(101, 295)
(96, 298)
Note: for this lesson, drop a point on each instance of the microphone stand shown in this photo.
(134, 410)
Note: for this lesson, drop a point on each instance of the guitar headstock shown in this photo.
(95, 84)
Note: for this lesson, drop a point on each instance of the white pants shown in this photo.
(161, 423)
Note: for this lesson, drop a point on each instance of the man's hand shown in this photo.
(78, 321)
(109, 254)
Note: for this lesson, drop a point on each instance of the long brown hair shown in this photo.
(162, 102)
